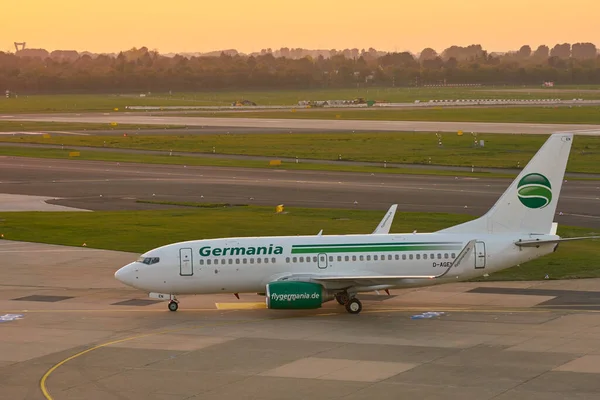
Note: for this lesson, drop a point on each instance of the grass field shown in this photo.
(35, 126)
(108, 102)
(506, 151)
(139, 231)
(545, 115)
(224, 162)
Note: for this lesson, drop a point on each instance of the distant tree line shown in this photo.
(37, 71)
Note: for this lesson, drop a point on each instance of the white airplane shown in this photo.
(303, 272)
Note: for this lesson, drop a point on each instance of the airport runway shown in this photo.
(97, 185)
(308, 124)
(69, 330)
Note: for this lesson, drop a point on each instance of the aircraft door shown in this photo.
(186, 267)
(322, 260)
(479, 255)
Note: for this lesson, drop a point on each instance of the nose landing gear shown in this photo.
(173, 305)
(173, 302)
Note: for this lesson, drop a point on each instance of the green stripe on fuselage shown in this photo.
(374, 249)
(295, 246)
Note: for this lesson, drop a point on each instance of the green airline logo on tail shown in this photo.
(535, 191)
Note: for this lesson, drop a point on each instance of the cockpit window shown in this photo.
(148, 260)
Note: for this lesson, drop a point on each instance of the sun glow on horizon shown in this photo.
(192, 26)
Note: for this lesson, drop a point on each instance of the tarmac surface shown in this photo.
(308, 124)
(97, 185)
(13, 202)
(69, 330)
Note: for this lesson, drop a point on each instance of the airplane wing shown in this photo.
(537, 242)
(386, 223)
(352, 280)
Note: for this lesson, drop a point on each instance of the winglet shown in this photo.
(386, 223)
(320, 232)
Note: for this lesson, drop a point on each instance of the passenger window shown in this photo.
(418, 256)
(273, 260)
(339, 258)
(375, 258)
(315, 259)
(404, 256)
(223, 261)
(201, 262)
(267, 260)
(453, 255)
(252, 261)
(397, 256)
(410, 256)
(330, 258)
(389, 257)
(230, 261)
(347, 258)
(446, 255)
(361, 258)
(287, 259)
(432, 256)
(439, 256)
(237, 260)
(245, 261)
(208, 262)
(424, 256)
(353, 258)
(258, 260)
(301, 259)
(368, 258)
(294, 259)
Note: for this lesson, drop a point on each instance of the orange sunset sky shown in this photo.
(250, 25)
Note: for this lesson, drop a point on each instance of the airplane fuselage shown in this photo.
(247, 265)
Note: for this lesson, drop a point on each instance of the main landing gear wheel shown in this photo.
(354, 306)
(173, 306)
(342, 298)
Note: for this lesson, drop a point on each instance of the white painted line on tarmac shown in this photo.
(68, 133)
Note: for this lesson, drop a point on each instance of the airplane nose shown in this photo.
(125, 274)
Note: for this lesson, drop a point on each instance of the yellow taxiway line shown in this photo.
(241, 306)
(45, 377)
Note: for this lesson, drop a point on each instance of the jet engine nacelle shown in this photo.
(295, 295)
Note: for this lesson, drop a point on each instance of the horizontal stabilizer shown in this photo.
(537, 242)
(386, 223)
